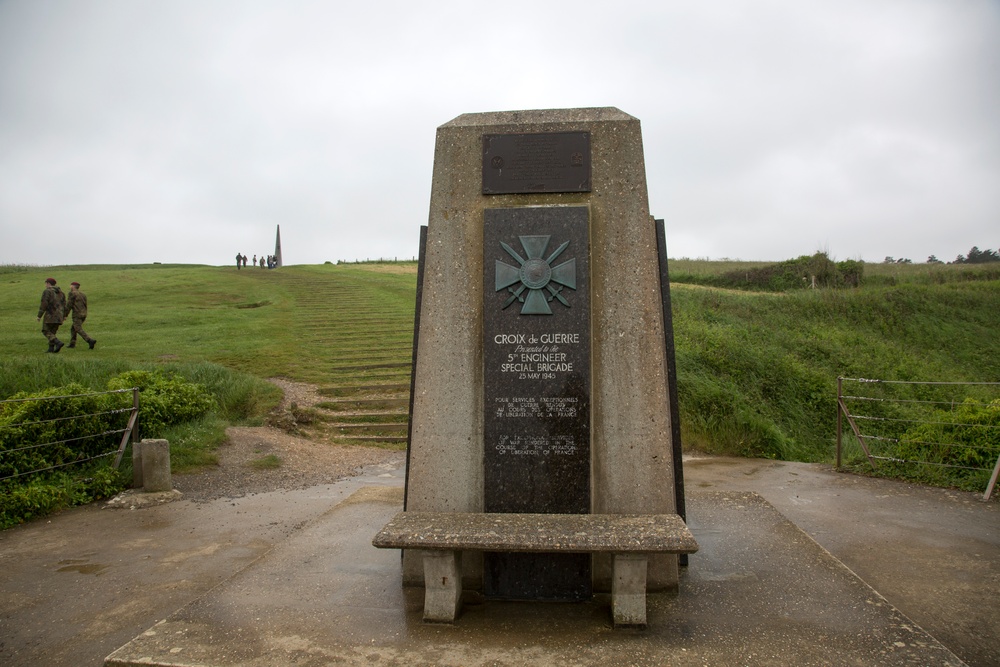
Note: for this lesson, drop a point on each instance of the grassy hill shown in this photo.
(756, 370)
(346, 328)
(306, 322)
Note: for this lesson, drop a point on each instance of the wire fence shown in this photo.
(944, 433)
(46, 433)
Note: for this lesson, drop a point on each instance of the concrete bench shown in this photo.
(444, 535)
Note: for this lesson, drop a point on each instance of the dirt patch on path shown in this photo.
(295, 462)
(301, 394)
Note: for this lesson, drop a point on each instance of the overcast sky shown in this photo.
(186, 130)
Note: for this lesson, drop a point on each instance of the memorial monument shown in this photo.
(277, 247)
(540, 376)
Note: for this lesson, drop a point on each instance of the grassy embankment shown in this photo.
(228, 329)
(757, 370)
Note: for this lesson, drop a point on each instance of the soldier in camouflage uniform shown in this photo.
(52, 308)
(77, 304)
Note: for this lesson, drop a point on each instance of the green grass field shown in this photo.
(306, 323)
(756, 370)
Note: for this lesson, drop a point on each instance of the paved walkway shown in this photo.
(290, 578)
(933, 553)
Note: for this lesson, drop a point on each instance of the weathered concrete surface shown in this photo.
(79, 585)
(933, 553)
(156, 466)
(631, 431)
(632, 456)
(543, 533)
(760, 592)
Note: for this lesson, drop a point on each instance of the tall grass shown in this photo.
(757, 372)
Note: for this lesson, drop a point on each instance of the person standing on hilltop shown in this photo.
(77, 304)
(239, 261)
(52, 308)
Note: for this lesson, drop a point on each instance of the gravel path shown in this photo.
(300, 462)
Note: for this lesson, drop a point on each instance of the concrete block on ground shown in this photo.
(155, 455)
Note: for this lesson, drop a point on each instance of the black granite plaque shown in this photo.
(536, 354)
(531, 163)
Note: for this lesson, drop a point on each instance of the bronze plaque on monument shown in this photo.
(534, 163)
(536, 377)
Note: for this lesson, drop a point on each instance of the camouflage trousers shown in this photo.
(78, 330)
(49, 331)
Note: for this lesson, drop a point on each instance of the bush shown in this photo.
(806, 271)
(43, 495)
(38, 435)
(954, 442)
(70, 426)
(164, 400)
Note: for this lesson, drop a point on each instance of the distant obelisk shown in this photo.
(277, 248)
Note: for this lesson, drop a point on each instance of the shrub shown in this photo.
(164, 400)
(46, 494)
(806, 271)
(39, 434)
(70, 426)
(962, 438)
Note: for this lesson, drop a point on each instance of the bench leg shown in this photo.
(628, 590)
(442, 586)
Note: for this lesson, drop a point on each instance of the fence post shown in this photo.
(136, 443)
(135, 407)
(993, 480)
(840, 416)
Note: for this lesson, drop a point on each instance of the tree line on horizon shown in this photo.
(975, 256)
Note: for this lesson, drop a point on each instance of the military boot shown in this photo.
(58, 345)
(92, 342)
(51, 345)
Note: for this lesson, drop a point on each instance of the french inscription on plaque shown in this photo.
(536, 353)
(533, 163)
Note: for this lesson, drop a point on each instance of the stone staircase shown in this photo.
(371, 414)
(360, 334)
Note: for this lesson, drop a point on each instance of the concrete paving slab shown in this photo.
(759, 592)
(933, 553)
(79, 584)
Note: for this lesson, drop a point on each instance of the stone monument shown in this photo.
(277, 247)
(540, 382)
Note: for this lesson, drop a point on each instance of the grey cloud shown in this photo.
(185, 131)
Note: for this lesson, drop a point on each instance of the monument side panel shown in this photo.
(446, 447)
(445, 465)
(633, 464)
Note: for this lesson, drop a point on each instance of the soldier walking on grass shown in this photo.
(52, 308)
(77, 304)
